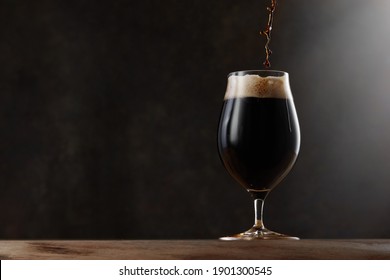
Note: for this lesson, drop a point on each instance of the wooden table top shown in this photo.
(195, 249)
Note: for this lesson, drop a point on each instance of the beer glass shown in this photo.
(258, 138)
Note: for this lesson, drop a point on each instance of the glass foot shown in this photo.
(259, 234)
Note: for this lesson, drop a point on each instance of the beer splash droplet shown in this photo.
(267, 33)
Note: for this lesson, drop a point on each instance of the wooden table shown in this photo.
(195, 249)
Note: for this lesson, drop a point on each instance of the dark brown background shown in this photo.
(109, 112)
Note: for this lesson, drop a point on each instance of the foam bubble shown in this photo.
(260, 87)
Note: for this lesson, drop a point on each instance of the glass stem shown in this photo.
(259, 205)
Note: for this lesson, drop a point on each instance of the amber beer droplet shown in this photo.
(267, 33)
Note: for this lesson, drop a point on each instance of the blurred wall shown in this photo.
(109, 111)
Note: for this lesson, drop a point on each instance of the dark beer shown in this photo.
(258, 137)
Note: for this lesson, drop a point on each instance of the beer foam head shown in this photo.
(256, 86)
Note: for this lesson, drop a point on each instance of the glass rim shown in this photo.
(275, 73)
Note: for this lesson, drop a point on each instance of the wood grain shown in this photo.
(195, 249)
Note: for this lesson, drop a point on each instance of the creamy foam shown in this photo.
(260, 87)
